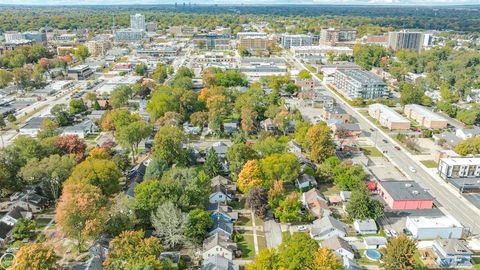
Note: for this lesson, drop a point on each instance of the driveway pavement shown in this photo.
(273, 233)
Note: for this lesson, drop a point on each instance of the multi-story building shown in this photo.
(388, 117)
(36, 36)
(137, 22)
(356, 83)
(255, 68)
(462, 172)
(253, 40)
(331, 36)
(211, 41)
(98, 47)
(183, 31)
(12, 36)
(424, 116)
(151, 27)
(405, 40)
(80, 72)
(287, 41)
(321, 50)
(128, 35)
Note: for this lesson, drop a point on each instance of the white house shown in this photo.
(367, 226)
(81, 130)
(445, 227)
(327, 227)
(219, 244)
(32, 126)
(220, 194)
(374, 242)
(338, 245)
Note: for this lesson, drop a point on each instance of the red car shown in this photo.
(398, 148)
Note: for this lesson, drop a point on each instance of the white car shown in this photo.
(388, 233)
(412, 169)
(302, 228)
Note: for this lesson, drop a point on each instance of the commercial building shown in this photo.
(12, 36)
(80, 72)
(405, 40)
(331, 36)
(211, 41)
(255, 67)
(137, 22)
(428, 228)
(405, 195)
(98, 47)
(335, 113)
(287, 41)
(319, 50)
(462, 172)
(128, 35)
(356, 83)
(388, 117)
(253, 40)
(424, 116)
(183, 31)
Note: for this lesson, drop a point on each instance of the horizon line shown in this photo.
(246, 5)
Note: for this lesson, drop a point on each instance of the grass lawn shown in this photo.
(363, 260)
(329, 189)
(246, 246)
(244, 220)
(429, 163)
(237, 205)
(262, 242)
(372, 151)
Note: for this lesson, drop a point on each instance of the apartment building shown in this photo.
(405, 40)
(462, 172)
(424, 116)
(128, 35)
(287, 41)
(183, 31)
(253, 43)
(331, 36)
(388, 117)
(137, 22)
(320, 50)
(211, 41)
(356, 83)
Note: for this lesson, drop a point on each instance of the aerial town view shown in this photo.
(230, 135)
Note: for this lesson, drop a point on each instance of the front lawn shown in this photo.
(246, 245)
(372, 151)
(429, 163)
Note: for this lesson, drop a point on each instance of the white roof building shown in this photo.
(423, 228)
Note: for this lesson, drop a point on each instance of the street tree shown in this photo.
(132, 134)
(36, 256)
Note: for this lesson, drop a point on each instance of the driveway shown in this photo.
(273, 233)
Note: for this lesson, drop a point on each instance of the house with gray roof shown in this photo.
(327, 227)
(221, 225)
(218, 263)
(374, 242)
(452, 253)
(219, 244)
(340, 246)
(82, 129)
(32, 126)
(367, 226)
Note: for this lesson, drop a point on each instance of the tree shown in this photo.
(120, 95)
(132, 135)
(62, 116)
(257, 199)
(184, 72)
(250, 176)
(36, 256)
(304, 75)
(399, 253)
(410, 94)
(326, 170)
(140, 69)
(169, 145)
(275, 194)
(155, 169)
(160, 73)
(71, 144)
(169, 223)
(24, 229)
(237, 155)
(170, 119)
(320, 142)
(6, 77)
(266, 259)
(49, 172)
(280, 167)
(147, 195)
(212, 166)
(368, 56)
(77, 106)
(288, 209)
(270, 145)
(348, 177)
(130, 250)
(197, 225)
(49, 128)
(297, 251)
(81, 212)
(249, 118)
(325, 259)
(122, 215)
(362, 207)
(199, 119)
(162, 101)
(101, 173)
(81, 53)
(470, 116)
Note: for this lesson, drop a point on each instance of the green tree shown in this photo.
(410, 94)
(77, 106)
(122, 215)
(147, 195)
(49, 128)
(132, 135)
(270, 145)
(160, 74)
(304, 75)
(297, 251)
(212, 165)
(156, 168)
(237, 155)
(6, 77)
(197, 225)
(289, 208)
(362, 206)
(320, 142)
(24, 229)
(81, 53)
(399, 254)
(120, 95)
(140, 69)
(469, 146)
(283, 167)
(169, 145)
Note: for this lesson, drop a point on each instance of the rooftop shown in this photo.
(466, 161)
(405, 190)
(362, 76)
(388, 112)
(435, 222)
(425, 112)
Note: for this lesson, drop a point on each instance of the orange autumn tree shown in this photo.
(325, 259)
(204, 94)
(34, 256)
(99, 153)
(81, 212)
(250, 176)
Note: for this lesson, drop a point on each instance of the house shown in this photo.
(220, 148)
(452, 253)
(446, 139)
(96, 115)
(220, 225)
(314, 201)
(5, 232)
(467, 133)
(218, 263)
(221, 210)
(32, 126)
(220, 194)
(82, 130)
(81, 72)
(367, 226)
(374, 242)
(230, 128)
(349, 264)
(405, 195)
(305, 181)
(268, 125)
(294, 148)
(15, 214)
(428, 228)
(327, 227)
(220, 180)
(32, 202)
(219, 244)
(338, 245)
(335, 113)
(344, 130)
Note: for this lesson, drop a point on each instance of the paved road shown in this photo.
(450, 201)
(273, 233)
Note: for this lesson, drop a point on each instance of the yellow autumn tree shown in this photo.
(34, 256)
(325, 259)
(250, 176)
(320, 142)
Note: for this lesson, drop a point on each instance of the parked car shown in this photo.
(385, 141)
(398, 148)
(388, 233)
(302, 228)
(412, 169)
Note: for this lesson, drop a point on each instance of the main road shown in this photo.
(449, 200)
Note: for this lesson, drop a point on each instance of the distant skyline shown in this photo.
(245, 2)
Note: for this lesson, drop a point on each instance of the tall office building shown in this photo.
(331, 36)
(137, 22)
(405, 40)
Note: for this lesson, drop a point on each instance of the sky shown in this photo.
(246, 2)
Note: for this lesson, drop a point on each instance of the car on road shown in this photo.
(412, 169)
(388, 233)
(302, 228)
(397, 147)
(385, 141)
(394, 233)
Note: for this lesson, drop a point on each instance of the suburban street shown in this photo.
(449, 200)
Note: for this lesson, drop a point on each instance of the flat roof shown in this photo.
(466, 161)
(389, 113)
(426, 112)
(405, 190)
(362, 76)
(435, 222)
